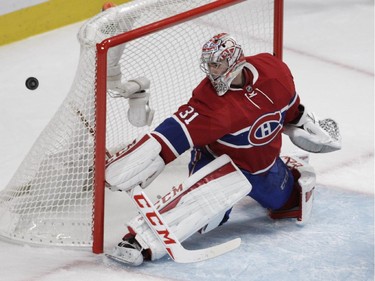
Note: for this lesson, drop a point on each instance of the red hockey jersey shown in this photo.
(245, 123)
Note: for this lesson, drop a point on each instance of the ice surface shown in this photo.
(329, 45)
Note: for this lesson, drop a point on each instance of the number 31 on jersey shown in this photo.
(188, 115)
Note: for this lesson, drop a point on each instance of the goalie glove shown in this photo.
(314, 135)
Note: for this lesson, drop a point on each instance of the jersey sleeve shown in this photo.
(173, 138)
(293, 113)
(287, 81)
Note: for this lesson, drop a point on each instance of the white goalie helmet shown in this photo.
(222, 60)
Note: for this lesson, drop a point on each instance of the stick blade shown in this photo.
(182, 255)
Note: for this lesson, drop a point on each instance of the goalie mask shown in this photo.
(222, 60)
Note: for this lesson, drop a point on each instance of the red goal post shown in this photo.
(56, 197)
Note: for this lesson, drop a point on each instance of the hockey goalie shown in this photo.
(233, 125)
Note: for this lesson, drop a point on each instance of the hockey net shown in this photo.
(56, 195)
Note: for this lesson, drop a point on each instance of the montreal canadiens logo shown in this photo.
(265, 129)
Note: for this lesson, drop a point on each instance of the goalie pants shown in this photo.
(271, 189)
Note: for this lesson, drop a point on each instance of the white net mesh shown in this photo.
(49, 200)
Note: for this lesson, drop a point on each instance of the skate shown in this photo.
(128, 251)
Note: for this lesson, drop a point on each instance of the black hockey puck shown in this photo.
(32, 83)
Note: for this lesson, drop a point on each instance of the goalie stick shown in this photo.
(168, 239)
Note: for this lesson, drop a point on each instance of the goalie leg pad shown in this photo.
(215, 222)
(137, 164)
(300, 204)
(307, 183)
(201, 199)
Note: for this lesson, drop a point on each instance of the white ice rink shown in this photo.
(329, 46)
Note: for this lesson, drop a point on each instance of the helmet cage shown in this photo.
(220, 48)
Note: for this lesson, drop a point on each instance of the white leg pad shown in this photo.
(215, 222)
(307, 183)
(195, 203)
